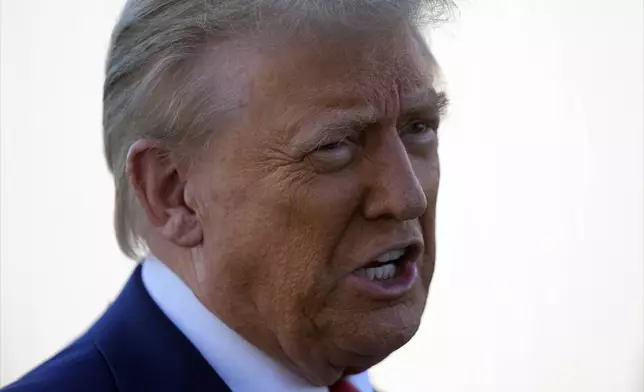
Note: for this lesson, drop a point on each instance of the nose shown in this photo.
(394, 191)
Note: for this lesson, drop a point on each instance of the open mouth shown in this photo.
(390, 266)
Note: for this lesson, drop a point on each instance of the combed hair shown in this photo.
(153, 43)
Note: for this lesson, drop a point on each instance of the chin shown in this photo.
(374, 336)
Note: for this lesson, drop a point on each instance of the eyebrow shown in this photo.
(334, 122)
(431, 101)
(337, 121)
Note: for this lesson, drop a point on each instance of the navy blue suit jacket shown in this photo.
(133, 347)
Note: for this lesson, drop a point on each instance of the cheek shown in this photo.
(275, 237)
(307, 222)
(312, 217)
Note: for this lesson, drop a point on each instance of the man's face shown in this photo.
(331, 165)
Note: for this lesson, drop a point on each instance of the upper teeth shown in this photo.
(391, 255)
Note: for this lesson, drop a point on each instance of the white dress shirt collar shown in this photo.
(242, 366)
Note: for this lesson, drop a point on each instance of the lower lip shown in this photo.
(388, 288)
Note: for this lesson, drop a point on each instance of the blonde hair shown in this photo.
(147, 93)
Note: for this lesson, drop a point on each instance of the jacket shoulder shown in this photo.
(80, 367)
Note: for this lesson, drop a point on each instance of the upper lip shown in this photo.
(413, 247)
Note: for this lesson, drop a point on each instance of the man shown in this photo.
(276, 170)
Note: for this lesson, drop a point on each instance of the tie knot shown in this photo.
(343, 386)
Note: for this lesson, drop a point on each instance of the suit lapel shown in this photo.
(145, 351)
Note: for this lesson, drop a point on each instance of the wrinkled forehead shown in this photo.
(369, 67)
(278, 75)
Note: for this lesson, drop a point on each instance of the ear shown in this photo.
(160, 189)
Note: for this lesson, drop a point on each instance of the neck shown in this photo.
(231, 301)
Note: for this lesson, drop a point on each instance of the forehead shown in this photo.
(282, 82)
(347, 71)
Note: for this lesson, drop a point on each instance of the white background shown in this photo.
(539, 285)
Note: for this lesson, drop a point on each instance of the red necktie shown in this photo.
(343, 386)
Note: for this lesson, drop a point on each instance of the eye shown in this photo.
(332, 156)
(420, 132)
(419, 127)
(330, 146)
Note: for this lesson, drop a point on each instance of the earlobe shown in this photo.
(183, 229)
